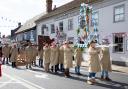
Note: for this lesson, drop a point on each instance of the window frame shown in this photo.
(52, 28)
(70, 25)
(114, 34)
(71, 39)
(61, 30)
(114, 14)
(42, 29)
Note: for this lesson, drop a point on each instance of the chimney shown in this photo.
(19, 24)
(48, 5)
(54, 7)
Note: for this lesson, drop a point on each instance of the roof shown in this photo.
(29, 24)
(67, 7)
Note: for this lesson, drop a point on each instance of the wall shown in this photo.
(106, 26)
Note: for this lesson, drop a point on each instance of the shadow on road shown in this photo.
(113, 85)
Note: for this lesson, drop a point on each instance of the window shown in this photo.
(70, 24)
(52, 28)
(81, 21)
(119, 13)
(43, 28)
(119, 41)
(71, 40)
(95, 18)
(61, 26)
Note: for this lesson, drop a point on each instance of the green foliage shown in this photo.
(82, 49)
(84, 29)
(75, 47)
(78, 31)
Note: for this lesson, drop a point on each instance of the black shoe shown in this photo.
(51, 70)
(102, 77)
(79, 74)
(107, 79)
(26, 67)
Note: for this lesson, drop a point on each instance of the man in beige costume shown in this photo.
(14, 54)
(68, 60)
(35, 53)
(40, 54)
(105, 61)
(46, 57)
(29, 55)
(6, 53)
(78, 59)
(61, 57)
(94, 62)
(54, 57)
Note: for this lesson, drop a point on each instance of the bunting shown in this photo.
(2, 18)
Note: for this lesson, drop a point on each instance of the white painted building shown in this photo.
(112, 24)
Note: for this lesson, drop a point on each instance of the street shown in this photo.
(20, 78)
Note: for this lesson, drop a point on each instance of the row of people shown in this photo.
(54, 58)
(98, 59)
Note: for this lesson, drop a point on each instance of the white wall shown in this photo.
(105, 27)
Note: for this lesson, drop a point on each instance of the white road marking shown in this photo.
(44, 76)
(4, 84)
(23, 82)
(9, 82)
(3, 66)
(39, 75)
(30, 83)
(35, 72)
(82, 70)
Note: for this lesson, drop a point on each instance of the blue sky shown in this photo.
(13, 11)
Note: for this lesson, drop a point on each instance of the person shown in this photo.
(14, 54)
(68, 61)
(54, 57)
(105, 62)
(6, 52)
(22, 52)
(61, 57)
(29, 55)
(94, 63)
(35, 53)
(78, 59)
(46, 57)
(40, 53)
(0, 58)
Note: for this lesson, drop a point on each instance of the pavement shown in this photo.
(115, 68)
(22, 78)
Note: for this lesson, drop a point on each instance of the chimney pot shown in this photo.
(19, 24)
(49, 5)
(54, 7)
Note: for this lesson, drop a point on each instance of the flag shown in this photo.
(57, 32)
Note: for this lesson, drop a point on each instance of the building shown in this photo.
(112, 23)
(28, 30)
(13, 35)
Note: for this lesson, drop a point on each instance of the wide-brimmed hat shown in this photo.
(93, 41)
(66, 42)
(105, 41)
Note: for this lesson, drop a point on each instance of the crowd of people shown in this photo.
(54, 58)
